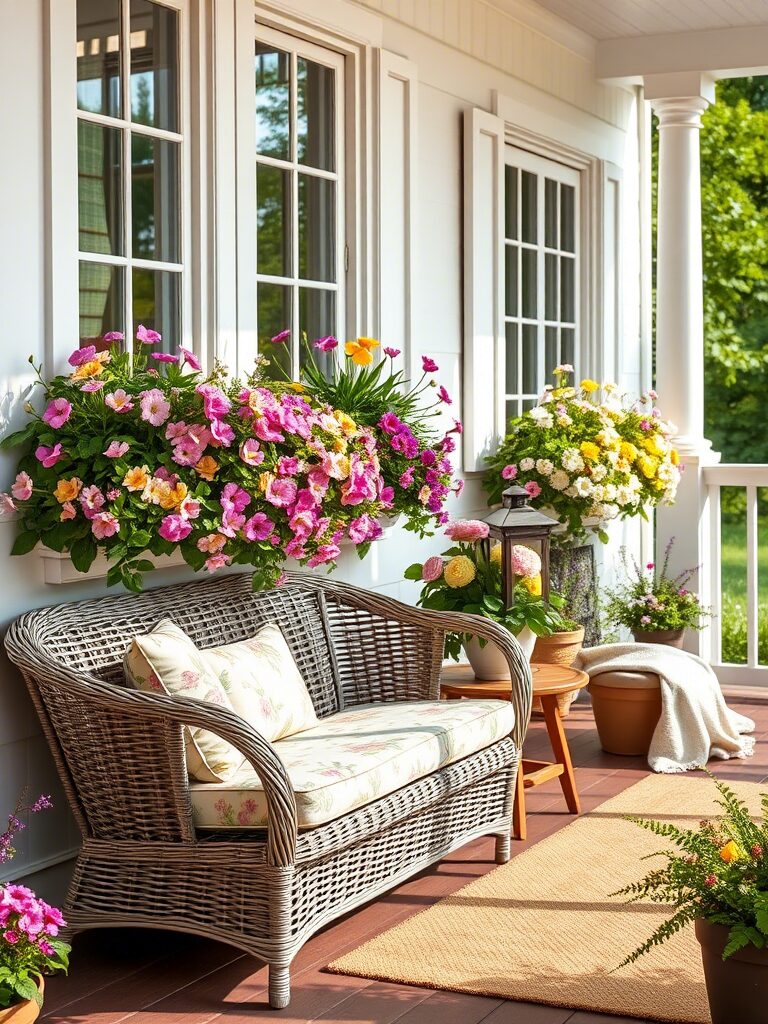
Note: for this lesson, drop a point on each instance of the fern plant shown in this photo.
(718, 872)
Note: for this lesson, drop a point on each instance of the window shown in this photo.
(300, 196)
(130, 150)
(541, 274)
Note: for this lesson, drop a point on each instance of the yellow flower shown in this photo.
(346, 422)
(67, 490)
(653, 445)
(90, 369)
(590, 451)
(730, 852)
(648, 466)
(496, 554)
(589, 386)
(628, 451)
(368, 343)
(157, 492)
(674, 457)
(460, 571)
(179, 493)
(169, 496)
(265, 479)
(207, 467)
(532, 584)
(136, 479)
(360, 355)
(295, 386)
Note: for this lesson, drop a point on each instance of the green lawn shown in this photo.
(734, 582)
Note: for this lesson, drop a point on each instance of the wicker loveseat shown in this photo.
(120, 754)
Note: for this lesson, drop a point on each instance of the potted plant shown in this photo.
(463, 579)
(588, 455)
(29, 928)
(719, 881)
(656, 608)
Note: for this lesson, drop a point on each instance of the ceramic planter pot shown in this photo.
(737, 988)
(489, 662)
(667, 637)
(558, 649)
(627, 709)
(23, 1013)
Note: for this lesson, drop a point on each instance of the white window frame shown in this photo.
(296, 47)
(61, 206)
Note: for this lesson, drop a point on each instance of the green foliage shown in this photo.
(733, 622)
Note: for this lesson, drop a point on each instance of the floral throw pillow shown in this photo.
(263, 683)
(167, 661)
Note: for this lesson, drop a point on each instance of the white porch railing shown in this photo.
(732, 642)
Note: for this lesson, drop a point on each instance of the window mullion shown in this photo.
(294, 152)
(125, 64)
(541, 269)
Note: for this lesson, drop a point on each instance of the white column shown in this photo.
(679, 100)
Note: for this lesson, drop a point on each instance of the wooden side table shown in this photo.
(549, 683)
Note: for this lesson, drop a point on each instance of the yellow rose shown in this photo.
(265, 479)
(89, 369)
(361, 356)
(590, 451)
(730, 852)
(674, 457)
(206, 467)
(648, 466)
(460, 571)
(136, 479)
(532, 584)
(589, 386)
(628, 451)
(67, 490)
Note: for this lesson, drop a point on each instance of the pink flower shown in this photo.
(189, 508)
(509, 472)
(327, 344)
(147, 336)
(49, 456)
(287, 466)
(281, 493)
(174, 528)
(363, 529)
(280, 336)
(443, 396)
(645, 425)
(57, 413)
(645, 620)
(116, 449)
(104, 525)
(45, 948)
(466, 530)
(406, 478)
(11, 937)
(251, 453)
(389, 423)
(217, 562)
(525, 561)
(189, 358)
(710, 881)
(459, 488)
(234, 497)
(119, 401)
(21, 488)
(82, 355)
(155, 407)
(649, 565)
(266, 431)
(222, 432)
(113, 493)
(215, 402)
(92, 385)
(325, 553)
(68, 511)
(318, 483)
(393, 353)
(432, 569)
(114, 336)
(7, 507)
(164, 357)
(258, 527)
(174, 430)
(533, 489)
(91, 501)
(212, 543)
(429, 365)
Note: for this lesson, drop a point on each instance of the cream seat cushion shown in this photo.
(357, 756)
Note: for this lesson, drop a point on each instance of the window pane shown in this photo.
(101, 301)
(100, 213)
(155, 198)
(550, 213)
(530, 360)
(567, 298)
(567, 218)
(317, 229)
(154, 65)
(157, 305)
(550, 287)
(513, 409)
(98, 56)
(273, 221)
(274, 315)
(529, 206)
(272, 102)
(512, 383)
(529, 403)
(567, 345)
(529, 284)
(510, 287)
(550, 353)
(314, 114)
(317, 318)
(510, 202)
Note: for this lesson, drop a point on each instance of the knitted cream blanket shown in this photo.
(695, 722)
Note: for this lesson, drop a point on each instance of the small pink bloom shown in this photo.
(645, 425)
(459, 488)
(645, 620)
(443, 396)
(119, 400)
(251, 453)
(11, 937)
(6, 504)
(114, 336)
(189, 508)
(467, 530)
(710, 881)
(104, 525)
(393, 353)
(45, 948)
(91, 500)
(327, 344)
(280, 336)
(432, 569)
(113, 493)
(258, 527)
(533, 489)
(217, 562)
(116, 449)
(164, 357)
(174, 528)
(57, 413)
(287, 466)
(222, 432)
(215, 402)
(281, 492)
(21, 488)
(649, 565)
(189, 358)
(174, 430)
(49, 456)
(509, 472)
(429, 365)
(92, 385)
(68, 511)
(406, 478)
(147, 336)
(155, 407)
(82, 355)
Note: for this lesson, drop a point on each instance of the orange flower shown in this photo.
(137, 478)
(730, 852)
(361, 356)
(207, 467)
(89, 369)
(368, 343)
(67, 490)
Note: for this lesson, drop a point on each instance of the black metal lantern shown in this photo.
(517, 523)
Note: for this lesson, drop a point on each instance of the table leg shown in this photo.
(559, 743)
(519, 828)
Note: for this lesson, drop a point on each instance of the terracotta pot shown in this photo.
(24, 1012)
(558, 649)
(737, 988)
(488, 662)
(626, 717)
(667, 637)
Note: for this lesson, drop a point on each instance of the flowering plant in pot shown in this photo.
(29, 929)
(657, 608)
(463, 579)
(717, 878)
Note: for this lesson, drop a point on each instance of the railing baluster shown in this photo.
(752, 553)
(713, 594)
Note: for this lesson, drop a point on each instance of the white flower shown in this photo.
(634, 483)
(544, 466)
(609, 492)
(598, 472)
(564, 368)
(526, 464)
(610, 511)
(613, 457)
(541, 416)
(572, 460)
(570, 492)
(564, 420)
(583, 486)
(559, 480)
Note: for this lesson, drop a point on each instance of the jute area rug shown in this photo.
(542, 929)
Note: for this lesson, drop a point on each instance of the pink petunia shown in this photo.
(189, 508)
(68, 511)
(189, 358)
(82, 355)
(467, 530)
(324, 554)
(533, 489)
(432, 569)
(281, 492)
(406, 478)
(147, 336)
(429, 365)
(92, 385)
(443, 396)
(509, 472)
(280, 336)
(49, 456)
(21, 487)
(104, 525)
(251, 453)
(215, 402)
(174, 430)
(155, 407)
(393, 353)
(258, 527)
(114, 336)
(174, 528)
(113, 493)
(287, 466)
(222, 433)
(116, 449)
(119, 401)
(217, 562)
(7, 507)
(164, 357)
(327, 344)
(91, 501)
(57, 413)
